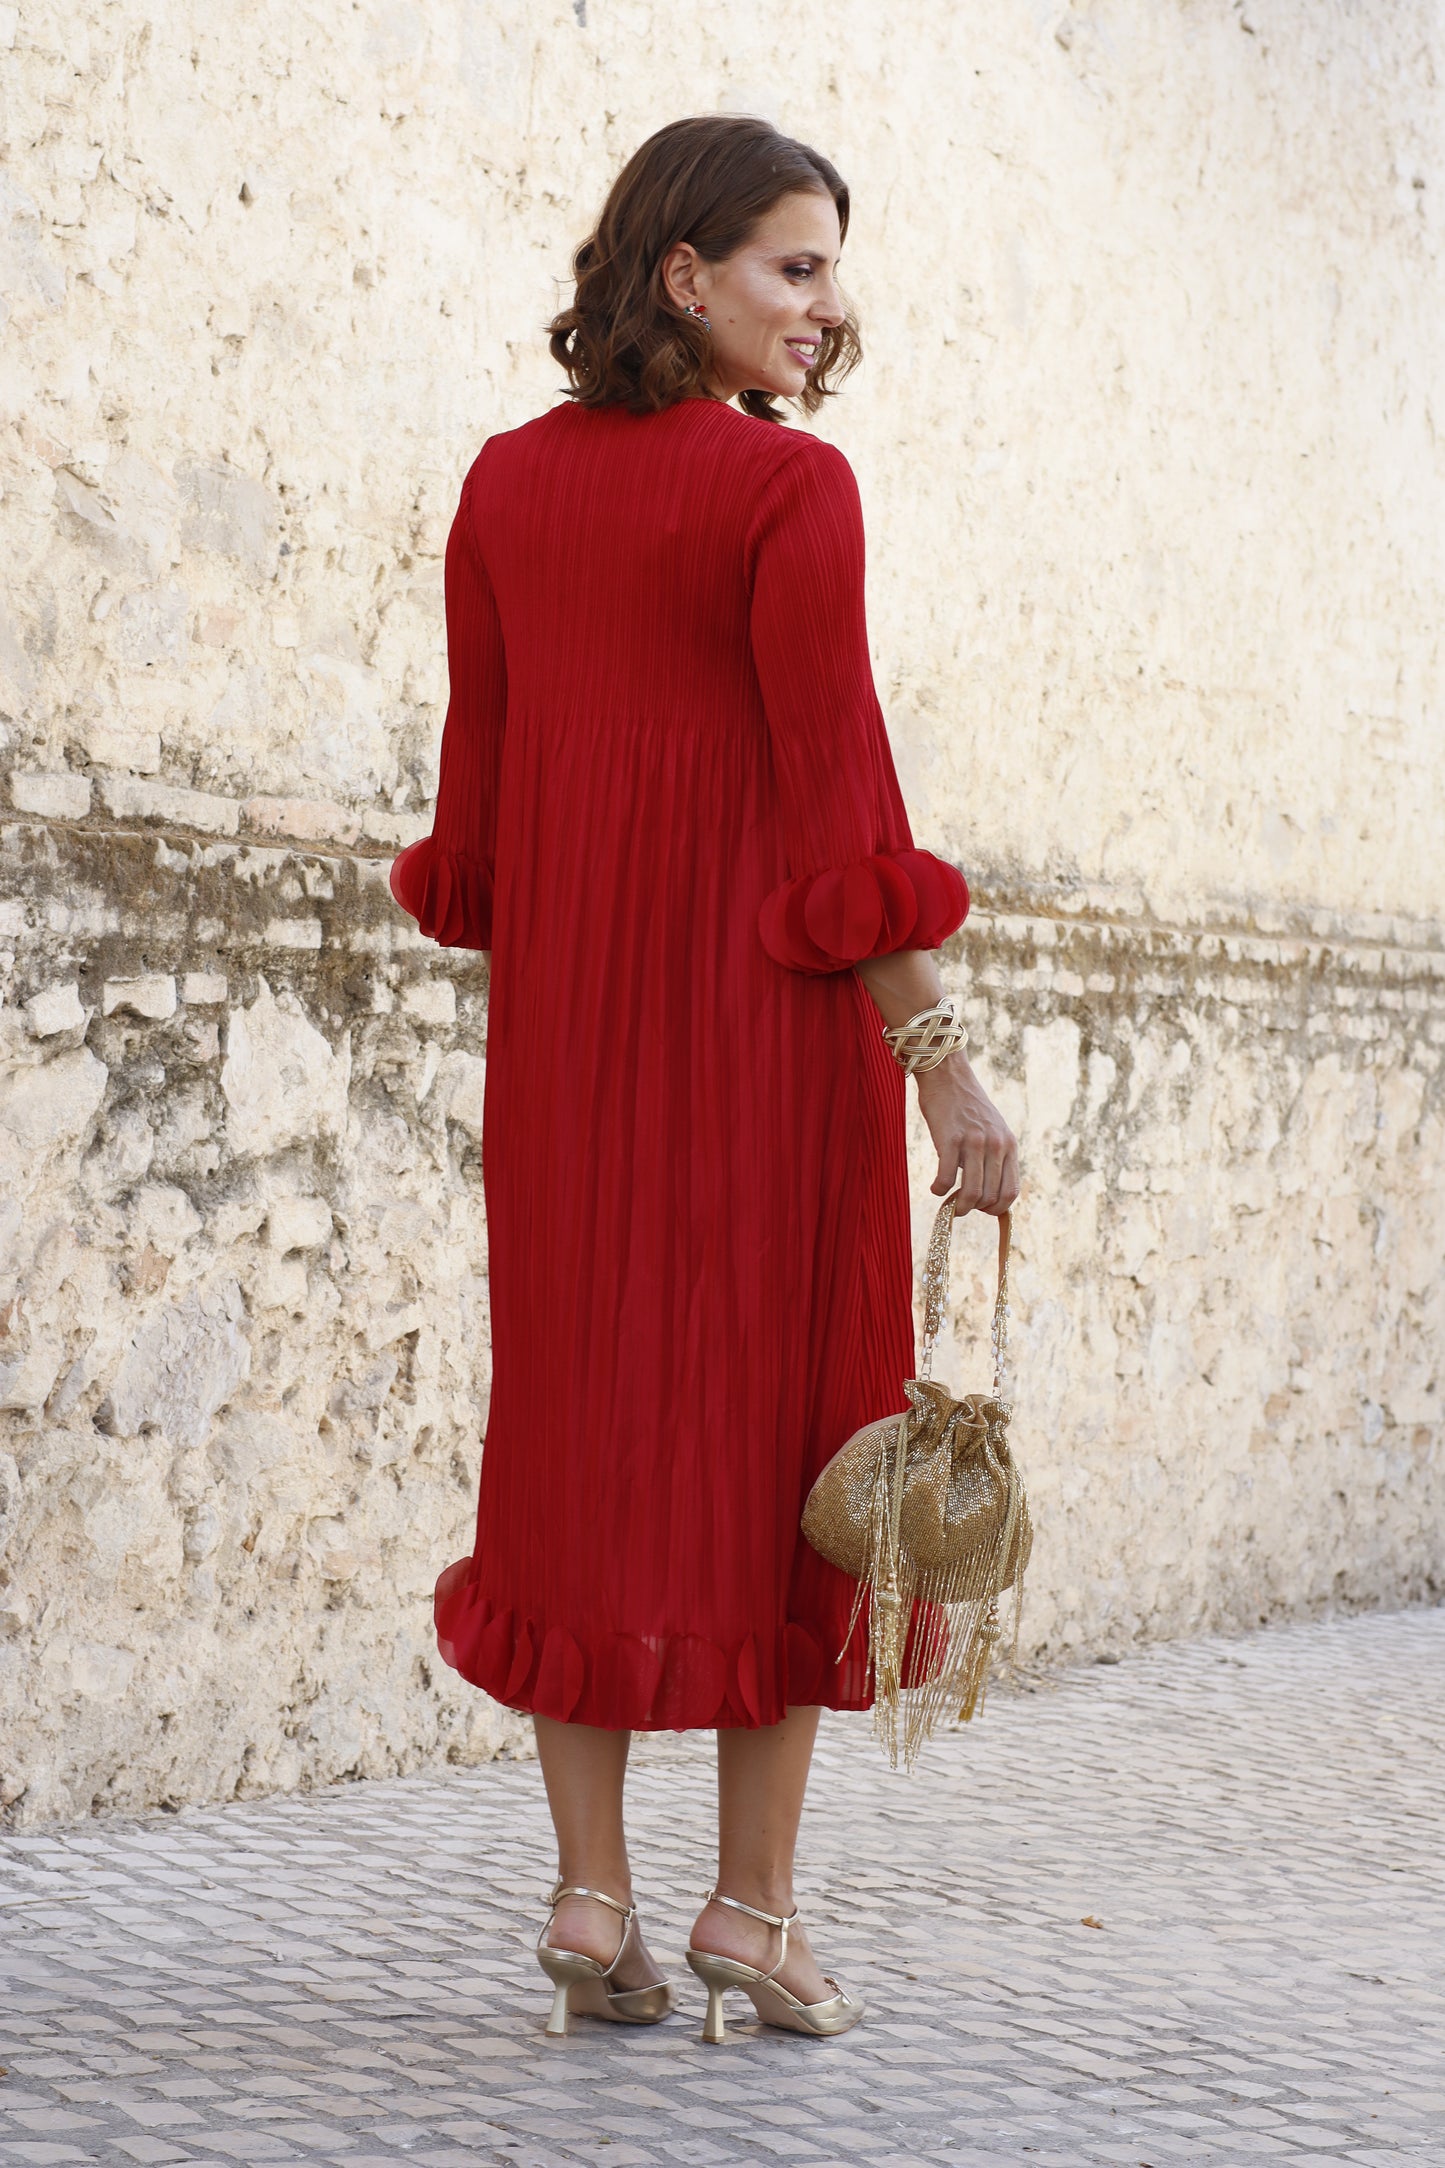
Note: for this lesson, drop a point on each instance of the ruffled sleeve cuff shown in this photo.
(448, 894)
(831, 920)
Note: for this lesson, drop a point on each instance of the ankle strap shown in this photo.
(782, 1921)
(575, 1889)
(769, 1919)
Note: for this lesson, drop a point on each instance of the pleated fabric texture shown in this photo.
(668, 807)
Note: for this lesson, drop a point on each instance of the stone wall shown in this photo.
(1146, 444)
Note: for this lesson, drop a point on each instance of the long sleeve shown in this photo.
(445, 880)
(857, 887)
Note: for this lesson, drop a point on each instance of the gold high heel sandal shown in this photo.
(583, 1983)
(774, 2003)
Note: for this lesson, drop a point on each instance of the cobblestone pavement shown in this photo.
(1189, 1908)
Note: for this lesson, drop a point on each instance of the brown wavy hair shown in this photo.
(709, 181)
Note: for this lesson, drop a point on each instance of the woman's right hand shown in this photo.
(976, 1148)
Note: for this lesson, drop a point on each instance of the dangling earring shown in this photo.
(695, 308)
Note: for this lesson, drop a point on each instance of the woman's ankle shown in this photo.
(608, 1881)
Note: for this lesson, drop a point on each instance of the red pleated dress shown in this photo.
(668, 809)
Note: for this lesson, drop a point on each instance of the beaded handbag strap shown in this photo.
(935, 1288)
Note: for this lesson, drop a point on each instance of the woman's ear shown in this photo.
(679, 274)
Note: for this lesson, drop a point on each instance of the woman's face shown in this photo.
(771, 300)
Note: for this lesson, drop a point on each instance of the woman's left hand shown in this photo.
(975, 1146)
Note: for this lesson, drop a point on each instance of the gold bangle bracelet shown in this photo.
(926, 1039)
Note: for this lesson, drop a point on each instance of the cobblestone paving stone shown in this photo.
(1257, 1823)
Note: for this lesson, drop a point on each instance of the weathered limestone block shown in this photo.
(298, 1223)
(459, 1081)
(55, 1009)
(154, 996)
(281, 1079)
(184, 1364)
(226, 511)
(53, 797)
(47, 1102)
(27, 1376)
(131, 796)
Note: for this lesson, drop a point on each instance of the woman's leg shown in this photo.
(762, 1776)
(584, 1769)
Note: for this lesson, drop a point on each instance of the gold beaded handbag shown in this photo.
(927, 1509)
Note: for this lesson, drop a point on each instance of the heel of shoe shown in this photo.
(714, 2025)
(566, 1969)
(717, 1974)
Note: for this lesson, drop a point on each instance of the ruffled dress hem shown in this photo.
(640, 1682)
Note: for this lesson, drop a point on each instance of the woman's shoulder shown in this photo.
(769, 470)
(747, 438)
(524, 440)
(772, 447)
(805, 478)
(737, 459)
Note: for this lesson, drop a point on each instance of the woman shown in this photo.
(668, 808)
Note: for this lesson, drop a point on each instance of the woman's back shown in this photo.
(617, 546)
